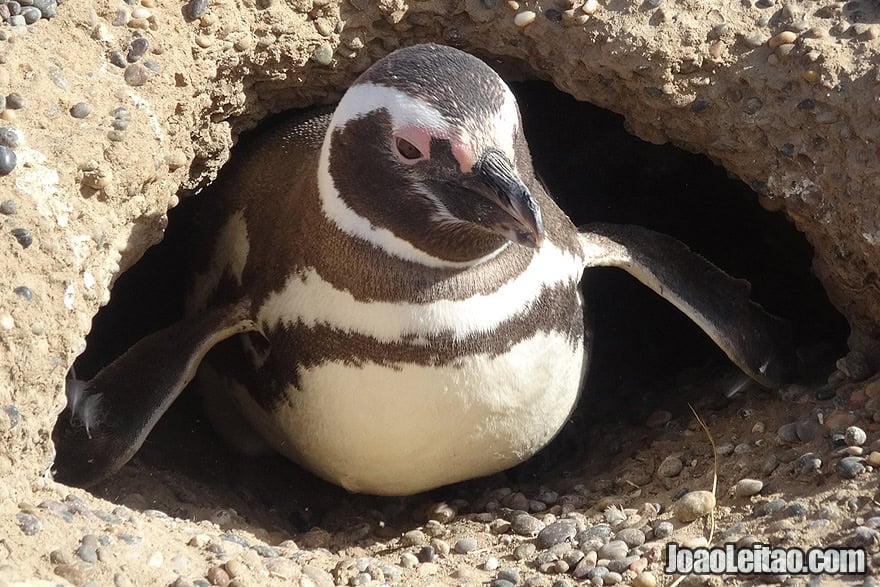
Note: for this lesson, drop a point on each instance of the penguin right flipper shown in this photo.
(760, 344)
(108, 418)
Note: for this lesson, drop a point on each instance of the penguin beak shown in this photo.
(495, 179)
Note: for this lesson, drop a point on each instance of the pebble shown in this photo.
(427, 554)
(408, 560)
(10, 137)
(855, 436)
(646, 579)
(87, 553)
(671, 466)
(526, 525)
(465, 545)
(80, 110)
(590, 7)
(694, 505)
(556, 533)
(7, 160)
(137, 49)
(29, 523)
(524, 18)
(748, 487)
(783, 38)
(323, 55)
(788, 433)
(14, 101)
(135, 75)
(614, 550)
(612, 578)
(795, 510)
(118, 59)
(850, 467)
(23, 236)
(632, 536)
(8, 207)
(873, 459)
(196, 8)
(47, 8)
(808, 463)
(660, 418)
(31, 14)
(24, 292)
(663, 529)
(17, 20)
(769, 507)
(864, 537)
(755, 39)
(525, 551)
(414, 538)
(491, 564)
(508, 574)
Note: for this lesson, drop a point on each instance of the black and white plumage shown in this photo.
(398, 295)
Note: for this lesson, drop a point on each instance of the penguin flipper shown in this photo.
(108, 418)
(757, 342)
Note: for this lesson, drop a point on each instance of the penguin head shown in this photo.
(425, 145)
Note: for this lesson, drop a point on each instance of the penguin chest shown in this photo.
(396, 398)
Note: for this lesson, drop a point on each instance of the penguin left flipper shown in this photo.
(757, 342)
(108, 418)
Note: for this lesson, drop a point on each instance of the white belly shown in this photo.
(387, 431)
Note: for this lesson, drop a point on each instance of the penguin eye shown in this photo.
(407, 151)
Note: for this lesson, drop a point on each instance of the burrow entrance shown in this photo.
(647, 355)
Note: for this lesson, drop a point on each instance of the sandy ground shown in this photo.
(792, 119)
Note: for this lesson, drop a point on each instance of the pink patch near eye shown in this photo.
(416, 137)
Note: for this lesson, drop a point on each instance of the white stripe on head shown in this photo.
(310, 300)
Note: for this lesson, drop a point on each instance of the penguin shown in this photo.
(386, 294)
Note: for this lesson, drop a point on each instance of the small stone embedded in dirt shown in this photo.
(118, 59)
(769, 507)
(23, 236)
(527, 525)
(788, 433)
(556, 533)
(855, 436)
(11, 137)
(850, 467)
(748, 487)
(408, 560)
(645, 579)
(196, 8)
(29, 523)
(616, 549)
(632, 536)
(80, 110)
(795, 510)
(323, 55)
(14, 101)
(694, 505)
(806, 430)
(658, 419)
(864, 537)
(465, 545)
(525, 551)
(663, 529)
(137, 49)
(414, 538)
(808, 463)
(671, 466)
(7, 160)
(509, 574)
(135, 75)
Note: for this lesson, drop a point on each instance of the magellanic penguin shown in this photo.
(397, 295)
